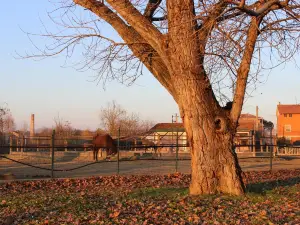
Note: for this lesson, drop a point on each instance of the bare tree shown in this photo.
(205, 53)
(24, 127)
(113, 117)
(44, 132)
(100, 131)
(9, 123)
(63, 128)
(87, 132)
(146, 125)
(110, 117)
(3, 112)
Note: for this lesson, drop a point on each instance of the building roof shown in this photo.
(246, 122)
(164, 127)
(247, 125)
(248, 116)
(293, 109)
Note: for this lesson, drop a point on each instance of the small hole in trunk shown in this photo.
(218, 124)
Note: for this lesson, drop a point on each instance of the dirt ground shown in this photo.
(17, 171)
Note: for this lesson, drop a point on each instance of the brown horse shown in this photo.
(149, 144)
(104, 141)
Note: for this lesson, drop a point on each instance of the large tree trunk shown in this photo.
(215, 168)
(209, 128)
(210, 131)
(214, 164)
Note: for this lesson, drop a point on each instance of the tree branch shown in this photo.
(270, 5)
(144, 52)
(243, 71)
(140, 23)
(150, 8)
(208, 25)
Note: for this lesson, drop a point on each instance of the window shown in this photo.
(285, 115)
(287, 128)
(290, 115)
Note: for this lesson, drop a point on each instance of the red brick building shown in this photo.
(288, 122)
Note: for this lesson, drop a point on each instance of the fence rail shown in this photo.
(47, 153)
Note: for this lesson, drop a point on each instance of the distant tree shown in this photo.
(114, 116)
(9, 123)
(77, 132)
(100, 131)
(146, 125)
(44, 132)
(111, 116)
(204, 52)
(63, 128)
(282, 141)
(268, 127)
(24, 127)
(87, 132)
(3, 113)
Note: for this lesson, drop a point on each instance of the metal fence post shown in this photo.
(271, 158)
(66, 145)
(253, 143)
(52, 153)
(118, 153)
(176, 165)
(37, 144)
(22, 144)
(10, 144)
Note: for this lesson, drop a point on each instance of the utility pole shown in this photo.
(118, 149)
(174, 120)
(52, 153)
(256, 127)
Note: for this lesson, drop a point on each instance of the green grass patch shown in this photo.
(158, 192)
(157, 200)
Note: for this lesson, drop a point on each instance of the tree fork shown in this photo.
(174, 53)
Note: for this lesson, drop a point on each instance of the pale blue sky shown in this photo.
(46, 89)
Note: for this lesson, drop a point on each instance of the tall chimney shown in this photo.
(32, 132)
(256, 128)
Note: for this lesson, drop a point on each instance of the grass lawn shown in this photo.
(272, 198)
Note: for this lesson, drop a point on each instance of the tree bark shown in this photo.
(210, 132)
(209, 128)
(215, 167)
(176, 59)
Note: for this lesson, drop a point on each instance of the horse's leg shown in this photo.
(94, 151)
(97, 151)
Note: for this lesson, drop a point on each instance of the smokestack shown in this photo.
(32, 132)
(256, 128)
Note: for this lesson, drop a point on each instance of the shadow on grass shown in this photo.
(262, 187)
